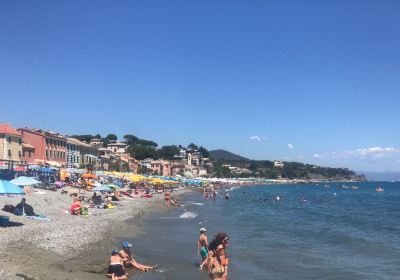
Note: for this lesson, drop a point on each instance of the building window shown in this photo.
(19, 153)
(51, 153)
(20, 141)
(9, 153)
(30, 153)
(9, 139)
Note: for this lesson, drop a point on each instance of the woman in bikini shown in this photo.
(223, 240)
(217, 264)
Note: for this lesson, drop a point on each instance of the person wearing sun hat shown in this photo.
(128, 260)
(202, 246)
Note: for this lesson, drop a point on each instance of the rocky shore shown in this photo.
(66, 247)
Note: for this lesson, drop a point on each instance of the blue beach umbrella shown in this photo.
(25, 181)
(7, 187)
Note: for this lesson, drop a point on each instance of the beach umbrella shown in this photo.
(25, 181)
(7, 187)
(46, 169)
(19, 168)
(101, 189)
(33, 166)
(88, 176)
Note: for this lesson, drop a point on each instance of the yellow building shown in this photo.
(10, 144)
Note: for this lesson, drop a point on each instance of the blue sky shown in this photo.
(310, 81)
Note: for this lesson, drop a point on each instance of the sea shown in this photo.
(312, 231)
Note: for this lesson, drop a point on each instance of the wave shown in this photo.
(197, 203)
(188, 215)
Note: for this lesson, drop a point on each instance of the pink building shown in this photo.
(161, 167)
(50, 148)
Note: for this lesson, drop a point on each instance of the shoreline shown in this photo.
(68, 247)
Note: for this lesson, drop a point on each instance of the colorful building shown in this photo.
(10, 144)
(50, 148)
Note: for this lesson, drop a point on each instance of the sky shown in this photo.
(308, 81)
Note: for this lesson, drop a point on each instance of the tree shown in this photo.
(143, 142)
(168, 152)
(131, 139)
(142, 152)
(193, 146)
(111, 137)
(204, 152)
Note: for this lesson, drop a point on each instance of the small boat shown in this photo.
(354, 187)
(379, 189)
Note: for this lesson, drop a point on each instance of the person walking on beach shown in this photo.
(202, 245)
(116, 268)
(128, 260)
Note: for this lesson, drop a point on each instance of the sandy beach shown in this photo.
(66, 247)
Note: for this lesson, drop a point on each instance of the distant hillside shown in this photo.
(225, 155)
(381, 176)
(267, 169)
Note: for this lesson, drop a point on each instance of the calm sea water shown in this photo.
(324, 231)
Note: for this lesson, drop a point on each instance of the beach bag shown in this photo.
(110, 206)
(84, 211)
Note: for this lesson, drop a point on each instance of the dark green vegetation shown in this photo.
(266, 169)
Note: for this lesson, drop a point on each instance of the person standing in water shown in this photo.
(202, 245)
(167, 199)
(221, 239)
(218, 269)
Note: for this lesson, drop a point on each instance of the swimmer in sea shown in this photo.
(227, 196)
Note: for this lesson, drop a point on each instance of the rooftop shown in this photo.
(8, 129)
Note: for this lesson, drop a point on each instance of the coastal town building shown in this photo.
(117, 147)
(28, 152)
(160, 167)
(73, 152)
(10, 144)
(95, 142)
(278, 163)
(50, 148)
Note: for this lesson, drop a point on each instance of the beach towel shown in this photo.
(39, 218)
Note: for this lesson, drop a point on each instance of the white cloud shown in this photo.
(301, 156)
(362, 153)
(290, 146)
(255, 138)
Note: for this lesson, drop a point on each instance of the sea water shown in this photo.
(319, 231)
